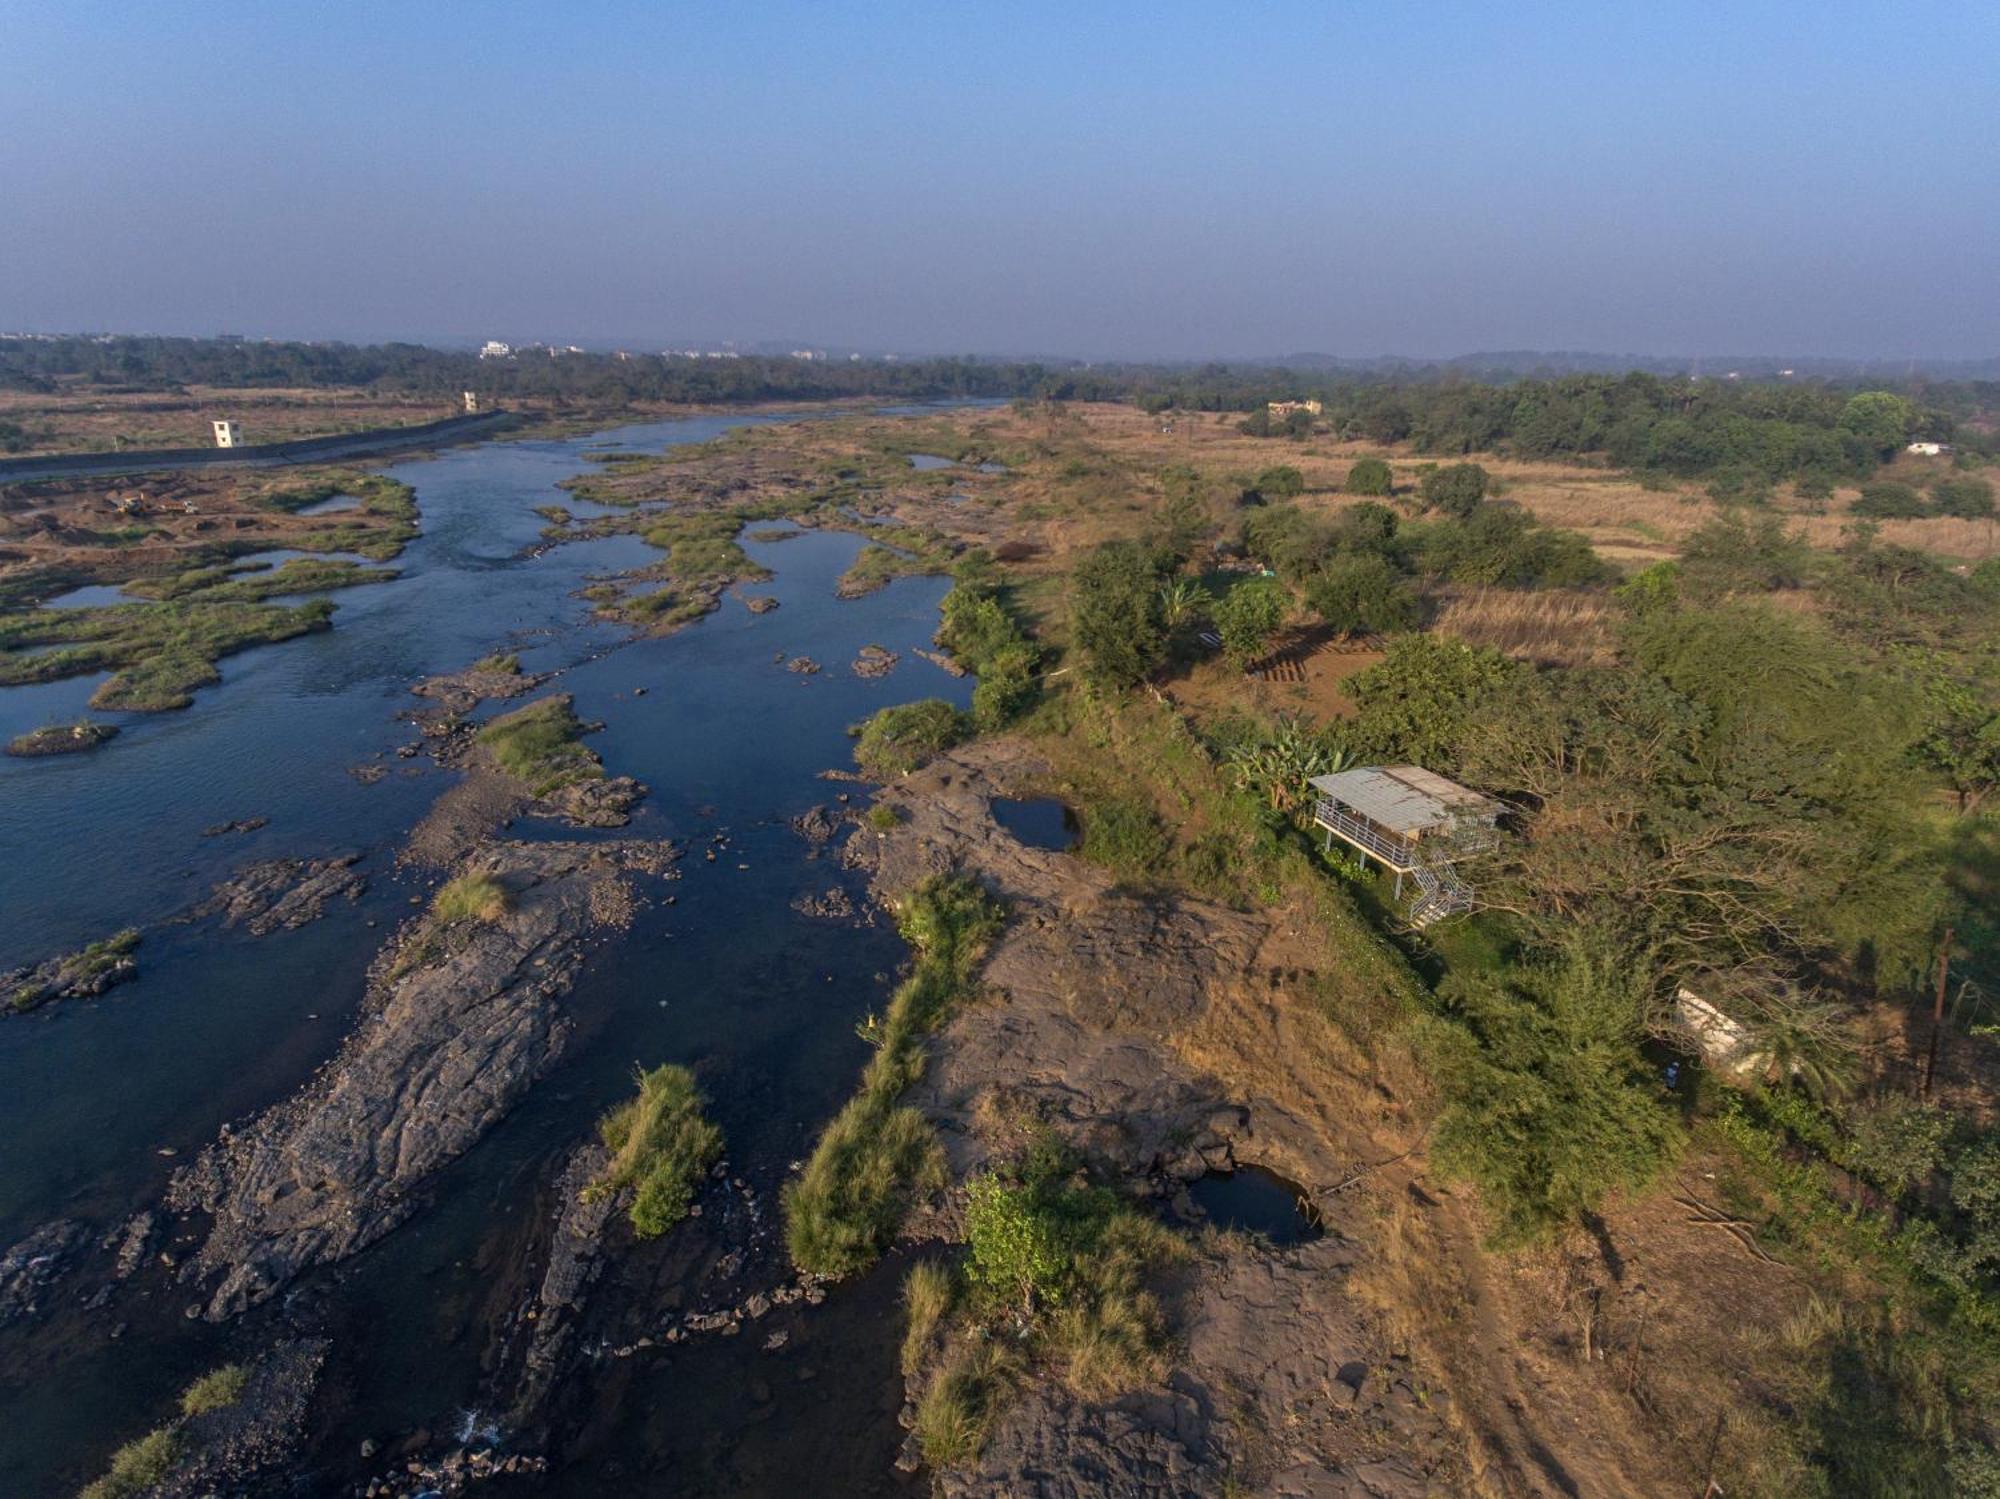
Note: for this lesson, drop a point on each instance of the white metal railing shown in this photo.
(1331, 815)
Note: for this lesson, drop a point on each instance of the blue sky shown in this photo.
(1099, 179)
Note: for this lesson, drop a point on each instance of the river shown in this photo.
(100, 1100)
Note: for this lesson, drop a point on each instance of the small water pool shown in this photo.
(332, 505)
(90, 596)
(925, 462)
(1039, 822)
(1255, 1201)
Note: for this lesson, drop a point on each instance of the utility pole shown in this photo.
(1937, 1010)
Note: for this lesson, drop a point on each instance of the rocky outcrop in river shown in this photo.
(282, 894)
(461, 1018)
(241, 1447)
(83, 974)
(33, 1265)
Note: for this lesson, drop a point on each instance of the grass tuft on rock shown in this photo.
(471, 897)
(541, 745)
(137, 1466)
(928, 1296)
(661, 1144)
(958, 1406)
(847, 1204)
(214, 1390)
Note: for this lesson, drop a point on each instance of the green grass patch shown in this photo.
(78, 967)
(847, 1204)
(661, 1144)
(541, 745)
(159, 652)
(211, 585)
(1124, 836)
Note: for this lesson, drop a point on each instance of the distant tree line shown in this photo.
(1746, 434)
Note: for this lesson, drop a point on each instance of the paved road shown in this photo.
(268, 455)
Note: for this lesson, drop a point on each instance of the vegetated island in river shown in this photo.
(62, 738)
(175, 544)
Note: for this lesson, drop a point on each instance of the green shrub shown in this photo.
(1370, 476)
(661, 1144)
(1887, 500)
(1549, 1102)
(1248, 616)
(1363, 591)
(1966, 498)
(1455, 489)
(1280, 482)
(1023, 1246)
(1115, 616)
(883, 818)
(897, 740)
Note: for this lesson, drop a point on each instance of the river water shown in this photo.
(100, 1100)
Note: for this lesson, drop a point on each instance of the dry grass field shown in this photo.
(83, 420)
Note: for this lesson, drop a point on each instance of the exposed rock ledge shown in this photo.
(1283, 1385)
(461, 1019)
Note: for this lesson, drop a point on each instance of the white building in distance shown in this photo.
(494, 349)
(228, 435)
(1928, 449)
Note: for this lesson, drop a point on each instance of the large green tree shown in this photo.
(1115, 617)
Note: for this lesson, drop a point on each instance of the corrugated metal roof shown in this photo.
(1404, 798)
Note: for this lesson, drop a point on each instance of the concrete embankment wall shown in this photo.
(305, 450)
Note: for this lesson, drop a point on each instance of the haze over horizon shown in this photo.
(1124, 182)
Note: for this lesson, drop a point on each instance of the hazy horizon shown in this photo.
(1134, 183)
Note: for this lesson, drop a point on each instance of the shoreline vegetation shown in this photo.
(847, 1204)
(142, 1465)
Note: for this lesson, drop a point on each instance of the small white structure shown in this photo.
(1724, 1043)
(1414, 822)
(494, 349)
(1928, 449)
(472, 403)
(228, 435)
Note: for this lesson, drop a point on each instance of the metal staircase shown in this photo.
(1441, 894)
